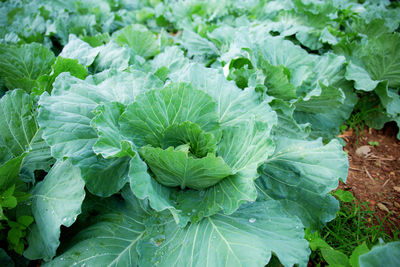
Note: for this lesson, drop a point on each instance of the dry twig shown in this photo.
(369, 175)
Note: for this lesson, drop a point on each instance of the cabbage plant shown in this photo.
(186, 171)
(200, 148)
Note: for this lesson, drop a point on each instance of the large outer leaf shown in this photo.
(111, 56)
(196, 45)
(245, 238)
(71, 106)
(110, 142)
(9, 172)
(111, 240)
(21, 66)
(138, 38)
(277, 82)
(145, 187)
(287, 126)
(192, 205)
(80, 50)
(233, 105)
(372, 61)
(17, 124)
(172, 58)
(280, 52)
(382, 255)
(300, 174)
(328, 70)
(390, 101)
(322, 111)
(361, 78)
(61, 65)
(245, 144)
(176, 168)
(19, 133)
(227, 196)
(39, 156)
(328, 99)
(104, 177)
(56, 201)
(145, 120)
(123, 87)
(381, 58)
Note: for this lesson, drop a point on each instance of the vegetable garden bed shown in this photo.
(195, 133)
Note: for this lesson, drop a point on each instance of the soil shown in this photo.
(374, 174)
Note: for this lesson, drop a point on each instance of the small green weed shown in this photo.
(373, 143)
(352, 233)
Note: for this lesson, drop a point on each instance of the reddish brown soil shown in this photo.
(375, 177)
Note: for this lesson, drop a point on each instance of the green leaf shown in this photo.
(287, 125)
(9, 172)
(38, 158)
(390, 99)
(97, 40)
(190, 133)
(233, 105)
(110, 142)
(245, 145)
(315, 240)
(357, 252)
(177, 168)
(61, 112)
(381, 58)
(111, 240)
(17, 124)
(172, 58)
(22, 65)
(111, 56)
(193, 205)
(344, 196)
(300, 174)
(227, 196)
(196, 45)
(382, 255)
(378, 57)
(361, 78)
(80, 50)
(56, 201)
(5, 260)
(145, 120)
(25, 220)
(71, 106)
(7, 200)
(138, 38)
(245, 238)
(327, 111)
(104, 177)
(279, 52)
(62, 65)
(123, 87)
(335, 257)
(145, 187)
(278, 82)
(77, 24)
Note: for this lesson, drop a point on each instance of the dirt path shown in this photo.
(374, 174)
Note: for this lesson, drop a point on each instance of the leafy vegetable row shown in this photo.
(182, 133)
